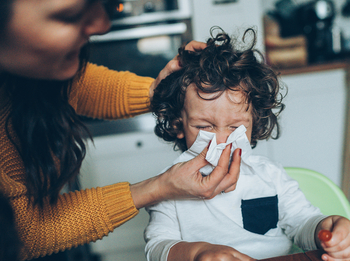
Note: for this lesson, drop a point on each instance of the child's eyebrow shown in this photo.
(243, 119)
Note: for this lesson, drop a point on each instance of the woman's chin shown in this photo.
(68, 72)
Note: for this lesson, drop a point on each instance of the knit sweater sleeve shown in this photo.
(107, 94)
(78, 217)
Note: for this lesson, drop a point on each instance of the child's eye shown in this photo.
(203, 127)
(233, 128)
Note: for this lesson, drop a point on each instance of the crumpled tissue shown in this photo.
(238, 138)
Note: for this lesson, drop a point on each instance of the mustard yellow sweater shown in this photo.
(82, 216)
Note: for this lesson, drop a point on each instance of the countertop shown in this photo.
(332, 65)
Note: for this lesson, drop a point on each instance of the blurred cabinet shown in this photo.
(131, 157)
(232, 16)
(313, 124)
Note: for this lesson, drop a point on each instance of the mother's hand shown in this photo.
(184, 180)
(174, 65)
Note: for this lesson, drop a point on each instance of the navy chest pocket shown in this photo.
(260, 214)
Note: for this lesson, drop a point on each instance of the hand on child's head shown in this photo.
(195, 45)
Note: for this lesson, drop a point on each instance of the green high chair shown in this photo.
(321, 191)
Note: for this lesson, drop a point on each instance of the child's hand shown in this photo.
(338, 246)
(220, 253)
(203, 251)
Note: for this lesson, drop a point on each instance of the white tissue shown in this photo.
(238, 138)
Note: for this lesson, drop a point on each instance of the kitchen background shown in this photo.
(146, 34)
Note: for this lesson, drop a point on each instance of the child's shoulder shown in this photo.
(263, 160)
(266, 166)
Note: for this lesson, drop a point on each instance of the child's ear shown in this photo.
(180, 135)
(178, 127)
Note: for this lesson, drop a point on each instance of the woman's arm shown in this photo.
(107, 94)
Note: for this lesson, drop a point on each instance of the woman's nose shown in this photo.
(98, 21)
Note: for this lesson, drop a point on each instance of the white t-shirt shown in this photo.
(261, 218)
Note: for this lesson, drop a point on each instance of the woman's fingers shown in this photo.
(195, 45)
(225, 176)
(174, 65)
(184, 180)
(234, 170)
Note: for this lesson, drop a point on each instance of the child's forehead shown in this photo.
(234, 94)
(230, 104)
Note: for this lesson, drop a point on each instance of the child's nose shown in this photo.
(221, 136)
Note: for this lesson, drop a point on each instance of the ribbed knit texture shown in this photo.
(82, 216)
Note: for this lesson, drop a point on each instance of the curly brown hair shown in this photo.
(220, 66)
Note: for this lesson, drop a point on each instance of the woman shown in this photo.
(44, 83)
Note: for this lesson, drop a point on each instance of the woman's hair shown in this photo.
(10, 243)
(222, 65)
(5, 13)
(47, 133)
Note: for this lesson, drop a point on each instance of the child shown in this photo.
(228, 96)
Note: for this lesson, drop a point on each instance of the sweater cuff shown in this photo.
(119, 203)
(138, 95)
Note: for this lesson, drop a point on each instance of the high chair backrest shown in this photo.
(321, 191)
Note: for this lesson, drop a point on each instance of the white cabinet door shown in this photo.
(129, 157)
(312, 124)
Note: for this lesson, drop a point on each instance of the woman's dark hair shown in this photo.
(10, 243)
(46, 131)
(5, 13)
(220, 66)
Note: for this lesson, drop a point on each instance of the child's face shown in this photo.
(221, 115)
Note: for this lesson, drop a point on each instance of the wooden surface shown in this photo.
(316, 67)
(307, 256)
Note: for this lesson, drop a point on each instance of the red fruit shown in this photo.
(325, 235)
